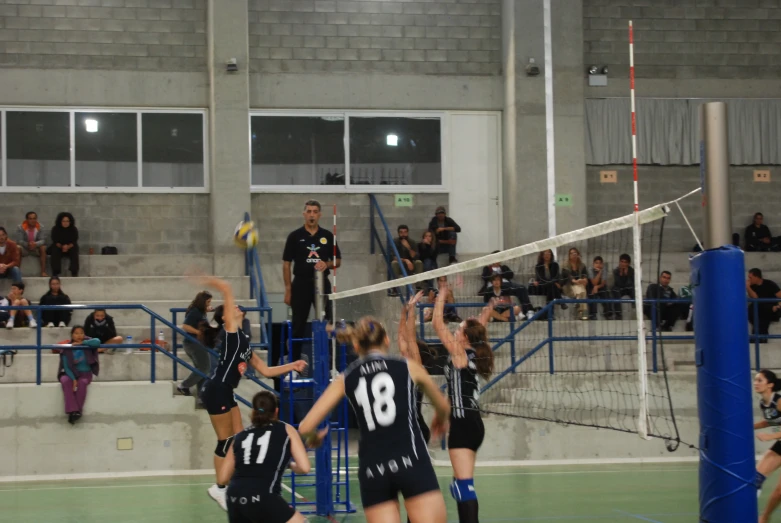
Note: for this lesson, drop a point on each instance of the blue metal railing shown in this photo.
(257, 291)
(389, 253)
(39, 347)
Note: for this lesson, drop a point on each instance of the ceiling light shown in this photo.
(393, 140)
(91, 125)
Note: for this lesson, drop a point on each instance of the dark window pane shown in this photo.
(291, 150)
(106, 150)
(38, 146)
(395, 151)
(172, 149)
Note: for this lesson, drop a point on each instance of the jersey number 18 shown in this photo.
(384, 408)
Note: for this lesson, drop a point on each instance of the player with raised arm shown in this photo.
(392, 454)
(254, 466)
(470, 357)
(768, 386)
(217, 391)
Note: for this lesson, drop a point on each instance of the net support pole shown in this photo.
(323, 477)
(727, 459)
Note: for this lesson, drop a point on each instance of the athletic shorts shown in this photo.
(380, 484)
(466, 433)
(247, 505)
(217, 398)
(776, 447)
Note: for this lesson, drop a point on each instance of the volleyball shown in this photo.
(245, 235)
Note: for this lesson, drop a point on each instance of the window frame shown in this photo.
(139, 112)
(345, 114)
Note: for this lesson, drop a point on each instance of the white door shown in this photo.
(475, 171)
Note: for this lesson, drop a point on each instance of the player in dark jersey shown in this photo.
(470, 357)
(392, 454)
(768, 386)
(255, 464)
(216, 394)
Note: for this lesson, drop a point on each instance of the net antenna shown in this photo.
(642, 365)
(334, 372)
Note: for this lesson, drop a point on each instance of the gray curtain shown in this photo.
(668, 131)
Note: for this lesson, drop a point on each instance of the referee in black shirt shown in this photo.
(309, 249)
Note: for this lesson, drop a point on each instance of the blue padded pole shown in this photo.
(727, 466)
(320, 372)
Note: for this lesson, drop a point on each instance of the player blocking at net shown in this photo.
(216, 394)
(470, 357)
(392, 454)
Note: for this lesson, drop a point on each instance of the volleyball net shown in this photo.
(567, 321)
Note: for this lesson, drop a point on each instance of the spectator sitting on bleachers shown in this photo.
(427, 252)
(445, 229)
(758, 287)
(575, 278)
(193, 325)
(450, 314)
(519, 291)
(408, 253)
(10, 258)
(31, 238)
(19, 318)
(623, 282)
(77, 365)
(547, 280)
(667, 313)
(55, 296)
(101, 326)
(597, 290)
(499, 295)
(757, 235)
(65, 242)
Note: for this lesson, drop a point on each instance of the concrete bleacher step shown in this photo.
(130, 265)
(139, 288)
(120, 366)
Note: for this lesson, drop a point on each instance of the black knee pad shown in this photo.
(222, 447)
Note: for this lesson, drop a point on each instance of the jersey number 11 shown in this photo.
(384, 408)
(262, 443)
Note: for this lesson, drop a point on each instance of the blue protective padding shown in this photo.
(727, 468)
(320, 373)
(463, 489)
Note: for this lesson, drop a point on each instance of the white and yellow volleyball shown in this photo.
(246, 235)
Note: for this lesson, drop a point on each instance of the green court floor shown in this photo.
(588, 494)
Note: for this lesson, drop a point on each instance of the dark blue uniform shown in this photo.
(392, 454)
(217, 391)
(254, 495)
(466, 424)
(771, 414)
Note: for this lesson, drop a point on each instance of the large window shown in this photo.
(346, 149)
(103, 149)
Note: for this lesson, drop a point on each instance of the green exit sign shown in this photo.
(403, 200)
(563, 200)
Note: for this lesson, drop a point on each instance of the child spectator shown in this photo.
(623, 282)
(31, 236)
(547, 281)
(597, 289)
(19, 318)
(575, 278)
(65, 242)
(101, 326)
(55, 296)
(77, 365)
(499, 295)
(4, 314)
(9, 258)
(193, 319)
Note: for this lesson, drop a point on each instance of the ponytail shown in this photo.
(772, 378)
(366, 334)
(264, 408)
(484, 359)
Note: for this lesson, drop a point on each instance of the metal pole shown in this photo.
(319, 295)
(714, 174)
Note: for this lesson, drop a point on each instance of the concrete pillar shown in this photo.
(525, 180)
(229, 131)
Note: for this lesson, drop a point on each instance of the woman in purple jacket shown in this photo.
(77, 365)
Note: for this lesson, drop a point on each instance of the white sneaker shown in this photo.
(50, 324)
(218, 495)
(33, 324)
(10, 324)
(62, 324)
(530, 315)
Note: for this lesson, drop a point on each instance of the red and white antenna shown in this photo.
(634, 113)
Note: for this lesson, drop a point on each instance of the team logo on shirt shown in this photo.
(313, 256)
(323, 241)
(771, 414)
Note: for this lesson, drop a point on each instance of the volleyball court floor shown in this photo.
(656, 493)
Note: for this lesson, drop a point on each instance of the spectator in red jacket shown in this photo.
(32, 239)
(9, 257)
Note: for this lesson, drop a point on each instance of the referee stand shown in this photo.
(331, 475)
